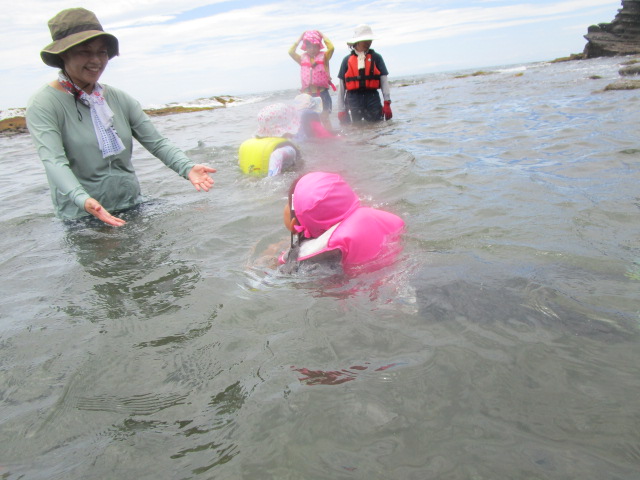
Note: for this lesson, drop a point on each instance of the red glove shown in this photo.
(386, 110)
(343, 117)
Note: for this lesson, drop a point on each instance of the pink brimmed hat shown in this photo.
(320, 200)
(278, 120)
(311, 36)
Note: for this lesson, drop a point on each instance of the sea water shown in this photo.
(503, 343)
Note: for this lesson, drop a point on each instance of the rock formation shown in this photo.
(13, 125)
(620, 37)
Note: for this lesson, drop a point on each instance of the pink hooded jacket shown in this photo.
(330, 216)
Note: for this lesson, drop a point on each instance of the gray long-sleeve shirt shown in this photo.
(73, 162)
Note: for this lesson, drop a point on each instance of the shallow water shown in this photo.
(503, 343)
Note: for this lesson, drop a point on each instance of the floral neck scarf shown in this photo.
(101, 115)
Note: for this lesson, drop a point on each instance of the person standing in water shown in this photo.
(315, 74)
(361, 74)
(83, 130)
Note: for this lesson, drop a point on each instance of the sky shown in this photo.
(178, 51)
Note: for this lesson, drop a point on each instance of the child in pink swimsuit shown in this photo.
(315, 76)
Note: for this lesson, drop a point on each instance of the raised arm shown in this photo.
(292, 50)
(330, 48)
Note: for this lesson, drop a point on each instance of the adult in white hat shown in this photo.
(362, 73)
(83, 130)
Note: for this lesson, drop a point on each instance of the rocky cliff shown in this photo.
(620, 37)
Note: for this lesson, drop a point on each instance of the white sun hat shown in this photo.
(361, 33)
(304, 101)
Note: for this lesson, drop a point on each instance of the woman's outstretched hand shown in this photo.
(199, 176)
(92, 206)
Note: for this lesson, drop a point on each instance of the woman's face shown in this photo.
(85, 63)
(363, 46)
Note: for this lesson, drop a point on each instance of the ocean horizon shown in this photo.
(210, 101)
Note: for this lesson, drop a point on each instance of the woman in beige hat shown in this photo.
(361, 74)
(84, 130)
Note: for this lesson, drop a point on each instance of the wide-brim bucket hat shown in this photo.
(278, 120)
(71, 27)
(362, 33)
(321, 200)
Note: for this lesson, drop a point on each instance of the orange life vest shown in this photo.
(369, 80)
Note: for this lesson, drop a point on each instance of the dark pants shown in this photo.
(325, 96)
(364, 105)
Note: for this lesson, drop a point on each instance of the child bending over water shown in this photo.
(324, 215)
(272, 151)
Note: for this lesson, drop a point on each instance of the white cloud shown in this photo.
(244, 48)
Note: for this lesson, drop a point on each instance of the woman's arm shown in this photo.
(146, 133)
(44, 123)
(44, 119)
(159, 146)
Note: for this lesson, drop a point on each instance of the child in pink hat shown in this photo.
(326, 216)
(315, 75)
(271, 151)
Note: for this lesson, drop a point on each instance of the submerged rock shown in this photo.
(175, 109)
(630, 70)
(474, 74)
(624, 85)
(620, 37)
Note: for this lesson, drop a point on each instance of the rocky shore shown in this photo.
(13, 126)
(618, 38)
(16, 124)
